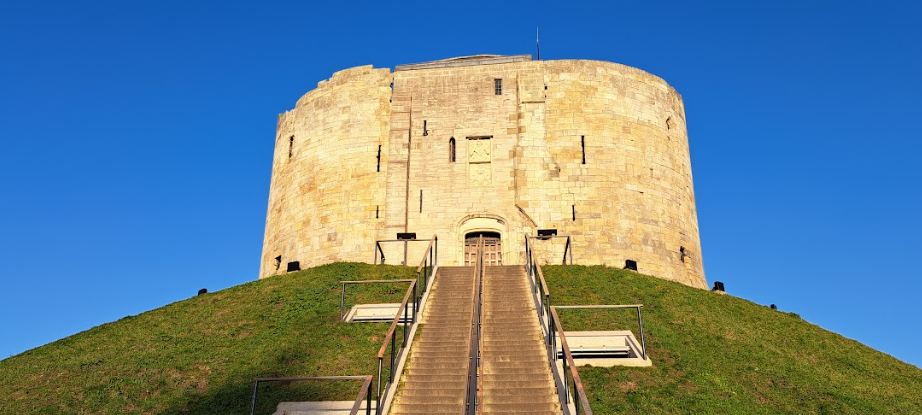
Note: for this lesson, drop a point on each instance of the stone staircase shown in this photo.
(515, 372)
(435, 379)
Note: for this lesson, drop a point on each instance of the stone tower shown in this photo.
(487, 145)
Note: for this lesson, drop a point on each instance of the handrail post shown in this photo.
(643, 345)
(253, 403)
(380, 363)
(368, 398)
(571, 249)
(342, 301)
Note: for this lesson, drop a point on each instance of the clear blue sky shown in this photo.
(136, 141)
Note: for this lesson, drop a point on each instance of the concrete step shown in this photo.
(519, 408)
(530, 396)
(426, 408)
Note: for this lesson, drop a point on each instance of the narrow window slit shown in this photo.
(451, 150)
(582, 143)
(291, 146)
(377, 211)
(574, 212)
(420, 201)
(425, 129)
(379, 158)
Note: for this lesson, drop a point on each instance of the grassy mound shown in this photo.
(711, 353)
(720, 354)
(199, 356)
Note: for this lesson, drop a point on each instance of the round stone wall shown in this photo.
(596, 150)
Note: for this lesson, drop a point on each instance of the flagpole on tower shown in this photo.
(538, 41)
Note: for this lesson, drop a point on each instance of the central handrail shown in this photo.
(581, 402)
(473, 397)
(364, 393)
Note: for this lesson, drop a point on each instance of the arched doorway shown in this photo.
(492, 248)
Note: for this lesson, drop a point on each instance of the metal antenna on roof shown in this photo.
(538, 41)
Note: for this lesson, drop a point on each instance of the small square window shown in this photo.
(498, 85)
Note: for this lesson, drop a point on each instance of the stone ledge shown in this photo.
(465, 61)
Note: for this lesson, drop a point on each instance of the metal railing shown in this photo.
(567, 248)
(473, 397)
(581, 402)
(342, 295)
(643, 344)
(427, 264)
(539, 286)
(364, 393)
(550, 322)
(379, 251)
(391, 338)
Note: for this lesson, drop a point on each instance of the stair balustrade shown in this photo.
(547, 315)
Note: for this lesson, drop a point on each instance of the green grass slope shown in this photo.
(711, 353)
(721, 354)
(199, 356)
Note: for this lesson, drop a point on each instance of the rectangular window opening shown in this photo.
(498, 86)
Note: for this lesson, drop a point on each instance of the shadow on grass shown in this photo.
(234, 396)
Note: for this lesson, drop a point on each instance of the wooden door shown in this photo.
(492, 248)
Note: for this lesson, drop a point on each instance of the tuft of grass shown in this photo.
(719, 354)
(200, 356)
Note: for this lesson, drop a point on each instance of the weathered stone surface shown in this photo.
(519, 165)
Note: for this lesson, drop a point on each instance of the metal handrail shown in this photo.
(643, 344)
(582, 402)
(427, 264)
(380, 250)
(391, 337)
(472, 397)
(342, 294)
(364, 392)
(567, 248)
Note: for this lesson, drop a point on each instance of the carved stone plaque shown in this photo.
(480, 174)
(478, 151)
(479, 158)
